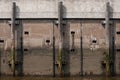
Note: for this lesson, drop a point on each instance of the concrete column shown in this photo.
(19, 48)
(17, 44)
(60, 55)
(63, 55)
(107, 26)
(60, 23)
(13, 16)
(109, 42)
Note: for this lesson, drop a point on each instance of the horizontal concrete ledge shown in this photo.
(55, 19)
(50, 15)
(76, 15)
(49, 8)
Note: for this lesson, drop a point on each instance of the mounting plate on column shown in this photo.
(104, 22)
(63, 22)
(16, 22)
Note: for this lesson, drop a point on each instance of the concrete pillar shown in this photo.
(13, 16)
(17, 43)
(109, 40)
(19, 48)
(63, 55)
(107, 26)
(60, 55)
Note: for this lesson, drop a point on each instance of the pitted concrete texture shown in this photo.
(49, 8)
(38, 54)
(38, 64)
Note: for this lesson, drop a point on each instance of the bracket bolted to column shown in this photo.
(63, 23)
(16, 22)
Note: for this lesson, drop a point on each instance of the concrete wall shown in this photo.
(37, 59)
(117, 43)
(49, 8)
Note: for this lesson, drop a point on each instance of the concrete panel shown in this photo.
(49, 8)
(38, 58)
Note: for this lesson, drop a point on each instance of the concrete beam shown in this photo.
(48, 8)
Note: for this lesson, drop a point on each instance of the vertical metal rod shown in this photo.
(113, 56)
(81, 52)
(21, 58)
(13, 34)
(112, 49)
(0, 61)
(73, 40)
(53, 52)
(60, 38)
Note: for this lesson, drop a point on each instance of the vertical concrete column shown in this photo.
(109, 42)
(60, 23)
(17, 44)
(107, 26)
(0, 60)
(60, 55)
(19, 48)
(13, 16)
(63, 54)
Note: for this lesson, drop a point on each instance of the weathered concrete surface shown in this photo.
(38, 56)
(117, 43)
(49, 8)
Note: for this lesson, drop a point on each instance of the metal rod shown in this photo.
(73, 41)
(112, 49)
(0, 60)
(53, 52)
(113, 56)
(81, 52)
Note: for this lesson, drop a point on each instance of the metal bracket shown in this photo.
(63, 22)
(16, 22)
(104, 22)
